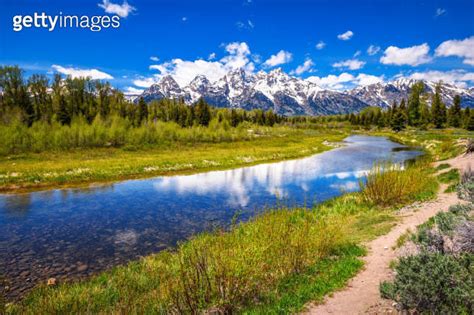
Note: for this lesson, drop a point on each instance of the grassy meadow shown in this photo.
(63, 168)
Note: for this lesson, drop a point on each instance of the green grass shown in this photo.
(326, 276)
(403, 239)
(451, 176)
(391, 185)
(274, 263)
(82, 166)
(443, 166)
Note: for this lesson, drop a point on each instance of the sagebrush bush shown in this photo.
(434, 283)
(466, 187)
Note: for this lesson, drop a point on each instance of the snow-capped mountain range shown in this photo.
(289, 95)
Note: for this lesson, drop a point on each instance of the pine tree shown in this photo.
(414, 104)
(470, 123)
(142, 110)
(438, 109)
(455, 113)
(403, 111)
(466, 116)
(425, 117)
(398, 119)
(63, 114)
(202, 112)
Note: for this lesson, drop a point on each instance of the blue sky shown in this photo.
(419, 39)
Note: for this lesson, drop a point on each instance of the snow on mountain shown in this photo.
(289, 95)
(384, 94)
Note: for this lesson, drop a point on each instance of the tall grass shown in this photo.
(219, 271)
(116, 132)
(394, 184)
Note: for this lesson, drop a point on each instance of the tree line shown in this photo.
(416, 112)
(64, 99)
(39, 99)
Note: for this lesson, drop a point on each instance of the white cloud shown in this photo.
(345, 80)
(280, 58)
(320, 45)
(413, 56)
(122, 10)
(457, 77)
(184, 71)
(144, 82)
(459, 48)
(211, 56)
(238, 57)
(305, 67)
(357, 53)
(345, 36)
(367, 79)
(130, 90)
(82, 73)
(154, 58)
(373, 50)
(439, 12)
(351, 64)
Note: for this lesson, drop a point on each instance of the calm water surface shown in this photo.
(76, 232)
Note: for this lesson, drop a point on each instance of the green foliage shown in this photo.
(414, 107)
(443, 166)
(388, 184)
(438, 108)
(398, 116)
(434, 283)
(449, 176)
(470, 122)
(455, 113)
(387, 290)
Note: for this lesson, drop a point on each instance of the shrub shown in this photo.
(466, 187)
(434, 283)
(388, 184)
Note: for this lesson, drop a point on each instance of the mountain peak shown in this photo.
(288, 95)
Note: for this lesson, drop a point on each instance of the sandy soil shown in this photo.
(361, 295)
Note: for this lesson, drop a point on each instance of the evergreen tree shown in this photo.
(455, 113)
(466, 116)
(63, 113)
(425, 117)
(142, 111)
(414, 113)
(438, 109)
(470, 123)
(397, 122)
(403, 111)
(41, 100)
(202, 112)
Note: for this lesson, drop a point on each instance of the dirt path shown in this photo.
(361, 295)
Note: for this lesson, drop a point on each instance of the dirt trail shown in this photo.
(361, 295)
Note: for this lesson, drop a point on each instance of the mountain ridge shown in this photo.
(289, 95)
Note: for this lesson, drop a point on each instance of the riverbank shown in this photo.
(251, 268)
(81, 167)
(33, 171)
(362, 293)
